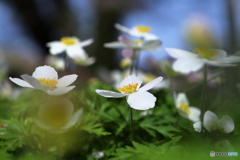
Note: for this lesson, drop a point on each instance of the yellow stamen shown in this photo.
(184, 108)
(49, 83)
(206, 53)
(143, 29)
(138, 41)
(69, 41)
(130, 88)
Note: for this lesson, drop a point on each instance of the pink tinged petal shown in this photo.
(122, 28)
(129, 42)
(178, 53)
(45, 72)
(180, 99)
(66, 80)
(197, 126)
(151, 45)
(187, 66)
(33, 82)
(210, 121)
(226, 123)
(109, 94)
(60, 91)
(115, 45)
(76, 51)
(20, 82)
(86, 42)
(194, 114)
(151, 84)
(131, 79)
(141, 100)
(127, 52)
(74, 118)
(56, 47)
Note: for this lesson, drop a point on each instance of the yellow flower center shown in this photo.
(130, 88)
(138, 41)
(206, 53)
(49, 83)
(143, 29)
(184, 108)
(69, 41)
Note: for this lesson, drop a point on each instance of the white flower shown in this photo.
(182, 105)
(137, 98)
(56, 115)
(83, 59)
(138, 31)
(212, 123)
(56, 62)
(71, 45)
(97, 155)
(45, 78)
(125, 42)
(190, 62)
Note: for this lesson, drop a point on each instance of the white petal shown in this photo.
(152, 45)
(182, 113)
(131, 79)
(20, 82)
(197, 126)
(115, 45)
(151, 84)
(34, 82)
(230, 59)
(178, 53)
(66, 80)
(186, 66)
(141, 100)
(75, 52)
(42, 124)
(56, 47)
(149, 36)
(219, 63)
(45, 72)
(86, 42)
(122, 28)
(221, 54)
(181, 98)
(74, 118)
(210, 121)
(194, 114)
(60, 91)
(226, 123)
(109, 94)
(129, 42)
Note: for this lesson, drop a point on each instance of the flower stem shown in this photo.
(65, 61)
(203, 94)
(46, 143)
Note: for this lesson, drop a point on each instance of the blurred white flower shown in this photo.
(184, 110)
(55, 62)
(137, 98)
(191, 62)
(125, 42)
(97, 155)
(45, 78)
(138, 31)
(212, 123)
(57, 116)
(83, 60)
(72, 46)
(145, 113)
(8, 92)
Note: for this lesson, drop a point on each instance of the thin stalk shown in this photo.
(203, 94)
(46, 143)
(65, 61)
